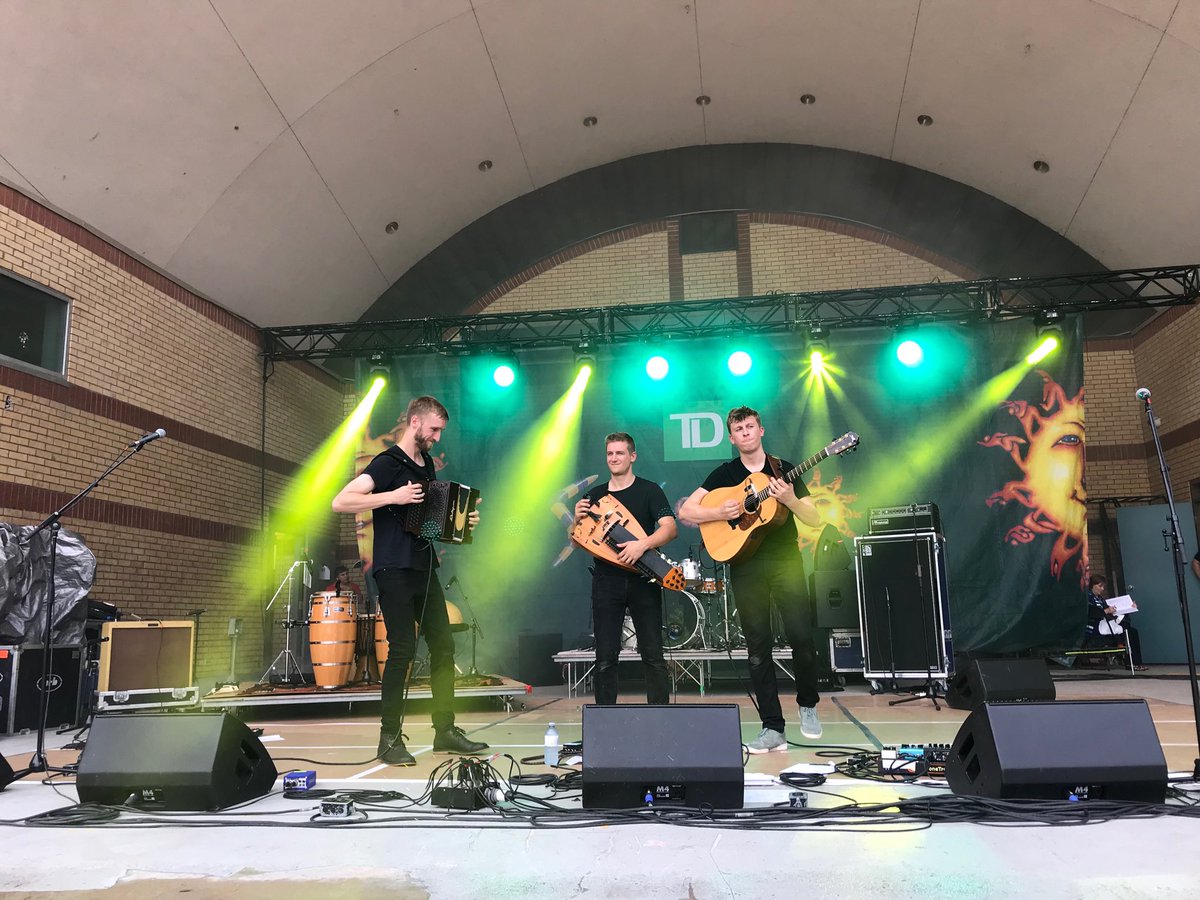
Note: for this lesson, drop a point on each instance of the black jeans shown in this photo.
(759, 583)
(404, 602)
(612, 594)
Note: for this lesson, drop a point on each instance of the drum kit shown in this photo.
(701, 616)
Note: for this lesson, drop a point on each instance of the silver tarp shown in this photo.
(25, 581)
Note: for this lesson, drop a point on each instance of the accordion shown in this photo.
(444, 513)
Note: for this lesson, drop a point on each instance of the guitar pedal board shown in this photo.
(915, 759)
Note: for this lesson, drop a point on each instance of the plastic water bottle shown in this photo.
(551, 743)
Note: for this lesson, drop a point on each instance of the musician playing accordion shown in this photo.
(404, 567)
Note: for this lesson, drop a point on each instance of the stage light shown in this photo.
(585, 356)
(1049, 335)
(380, 370)
(818, 347)
(504, 375)
(909, 353)
(740, 362)
(657, 367)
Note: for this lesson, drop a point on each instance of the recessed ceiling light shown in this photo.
(391, 227)
(924, 121)
(590, 121)
(808, 99)
(703, 100)
(485, 165)
(1041, 166)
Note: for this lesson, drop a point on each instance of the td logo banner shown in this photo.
(698, 433)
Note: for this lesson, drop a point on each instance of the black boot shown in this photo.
(392, 750)
(455, 740)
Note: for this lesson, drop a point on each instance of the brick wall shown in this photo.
(170, 528)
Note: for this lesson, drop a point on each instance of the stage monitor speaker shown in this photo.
(138, 656)
(835, 596)
(1000, 679)
(194, 761)
(903, 604)
(6, 773)
(1087, 749)
(638, 755)
(830, 553)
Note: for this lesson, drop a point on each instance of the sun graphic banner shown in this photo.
(995, 441)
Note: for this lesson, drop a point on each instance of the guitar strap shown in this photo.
(776, 468)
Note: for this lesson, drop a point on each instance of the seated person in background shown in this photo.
(342, 584)
(1106, 629)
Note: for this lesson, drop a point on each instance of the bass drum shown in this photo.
(683, 621)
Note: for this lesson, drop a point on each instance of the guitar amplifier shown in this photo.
(21, 684)
(444, 513)
(919, 517)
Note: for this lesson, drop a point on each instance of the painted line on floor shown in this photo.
(861, 727)
(366, 772)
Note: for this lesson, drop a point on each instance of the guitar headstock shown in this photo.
(844, 444)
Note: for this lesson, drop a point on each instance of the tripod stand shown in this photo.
(476, 630)
(37, 762)
(289, 624)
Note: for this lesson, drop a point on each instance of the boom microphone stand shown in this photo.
(37, 763)
(1143, 394)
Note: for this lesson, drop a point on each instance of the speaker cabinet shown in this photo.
(198, 761)
(151, 654)
(1089, 749)
(1000, 679)
(638, 755)
(903, 604)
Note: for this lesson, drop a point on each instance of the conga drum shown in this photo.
(331, 626)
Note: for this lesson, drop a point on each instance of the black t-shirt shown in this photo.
(645, 501)
(780, 542)
(394, 547)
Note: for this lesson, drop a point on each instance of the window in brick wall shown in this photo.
(714, 232)
(34, 324)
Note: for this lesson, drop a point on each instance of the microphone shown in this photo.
(147, 438)
(453, 581)
(1143, 394)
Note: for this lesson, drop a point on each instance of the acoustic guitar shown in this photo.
(607, 524)
(733, 540)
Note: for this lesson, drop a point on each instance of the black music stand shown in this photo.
(37, 762)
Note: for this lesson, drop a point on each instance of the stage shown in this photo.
(272, 848)
(504, 690)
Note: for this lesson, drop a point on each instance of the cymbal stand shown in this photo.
(286, 655)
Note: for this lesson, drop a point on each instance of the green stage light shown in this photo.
(504, 375)
(740, 362)
(816, 362)
(1047, 346)
(909, 353)
(657, 367)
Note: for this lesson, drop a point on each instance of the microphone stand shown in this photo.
(1180, 567)
(473, 672)
(37, 763)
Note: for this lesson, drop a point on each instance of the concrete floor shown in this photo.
(1144, 858)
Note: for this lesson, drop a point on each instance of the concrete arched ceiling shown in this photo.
(257, 151)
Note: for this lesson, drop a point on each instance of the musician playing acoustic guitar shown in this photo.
(615, 590)
(773, 574)
(403, 566)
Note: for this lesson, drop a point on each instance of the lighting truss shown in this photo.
(992, 299)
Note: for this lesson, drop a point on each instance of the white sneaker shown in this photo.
(810, 723)
(768, 741)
